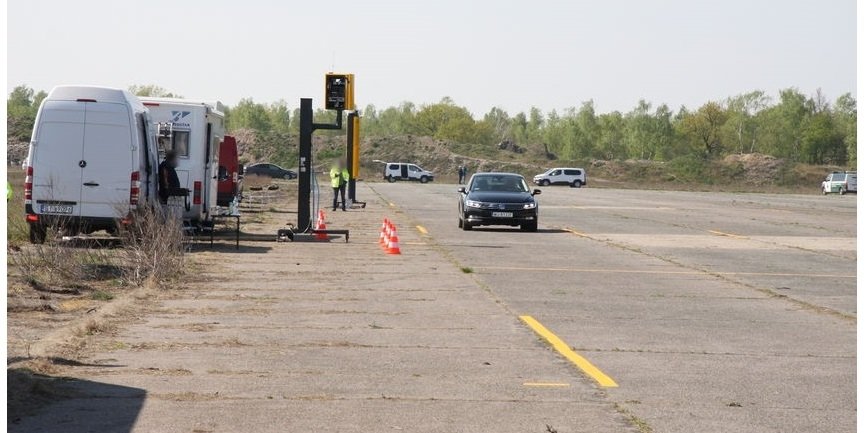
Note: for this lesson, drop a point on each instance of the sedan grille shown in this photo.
(502, 206)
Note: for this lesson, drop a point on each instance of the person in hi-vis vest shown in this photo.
(340, 176)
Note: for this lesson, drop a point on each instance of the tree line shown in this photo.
(800, 127)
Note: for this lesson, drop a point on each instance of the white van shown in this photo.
(394, 171)
(574, 177)
(92, 160)
(194, 130)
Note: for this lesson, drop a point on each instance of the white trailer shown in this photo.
(194, 130)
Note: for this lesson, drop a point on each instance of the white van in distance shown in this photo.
(92, 161)
(194, 130)
(574, 177)
(394, 171)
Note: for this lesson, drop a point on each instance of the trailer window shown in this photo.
(181, 143)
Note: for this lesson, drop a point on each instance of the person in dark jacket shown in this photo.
(168, 176)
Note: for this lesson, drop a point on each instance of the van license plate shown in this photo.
(502, 214)
(61, 209)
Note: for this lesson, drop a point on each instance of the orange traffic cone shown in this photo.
(390, 229)
(393, 244)
(320, 225)
(383, 231)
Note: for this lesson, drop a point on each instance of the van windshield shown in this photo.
(837, 177)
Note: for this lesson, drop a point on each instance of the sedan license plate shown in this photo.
(60, 209)
(502, 214)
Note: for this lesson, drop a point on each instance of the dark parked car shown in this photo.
(270, 170)
(497, 199)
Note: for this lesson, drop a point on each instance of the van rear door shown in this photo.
(56, 158)
(108, 161)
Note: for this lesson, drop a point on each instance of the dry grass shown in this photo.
(153, 247)
(63, 268)
(17, 230)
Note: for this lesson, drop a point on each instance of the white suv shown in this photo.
(574, 177)
(402, 171)
(841, 182)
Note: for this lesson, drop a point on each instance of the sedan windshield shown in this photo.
(498, 183)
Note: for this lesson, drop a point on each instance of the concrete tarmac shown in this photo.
(711, 312)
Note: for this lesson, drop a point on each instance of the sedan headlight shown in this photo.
(530, 205)
(471, 203)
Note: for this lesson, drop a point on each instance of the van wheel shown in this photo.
(530, 227)
(842, 191)
(423, 179)
(823, 190)
(37, 234)
(465, 225)
(577, 183)
(544, 182)
(391, 179)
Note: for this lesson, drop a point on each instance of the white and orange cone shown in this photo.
(393, 244)
(320, 225)
(390, 229)
(383, 239)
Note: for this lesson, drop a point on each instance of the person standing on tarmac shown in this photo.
(462, 173)
(168, 176)
(340, 176)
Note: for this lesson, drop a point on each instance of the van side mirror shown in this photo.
(536, 192)
(462, 190)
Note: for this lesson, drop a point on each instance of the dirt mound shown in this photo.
(757, 167)
(439, 156)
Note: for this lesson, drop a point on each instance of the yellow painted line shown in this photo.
(576, 232)
(422, 230)
(729, 235)
(547, 384)
(562, 348)
(639, 271)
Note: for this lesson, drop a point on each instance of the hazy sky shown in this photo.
(511, 54)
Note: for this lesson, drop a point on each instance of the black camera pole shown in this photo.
(305, 156)
(351, 188)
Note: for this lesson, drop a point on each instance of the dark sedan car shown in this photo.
(270, 170)
(497, 199)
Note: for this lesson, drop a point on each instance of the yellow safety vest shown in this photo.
(339, 176)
